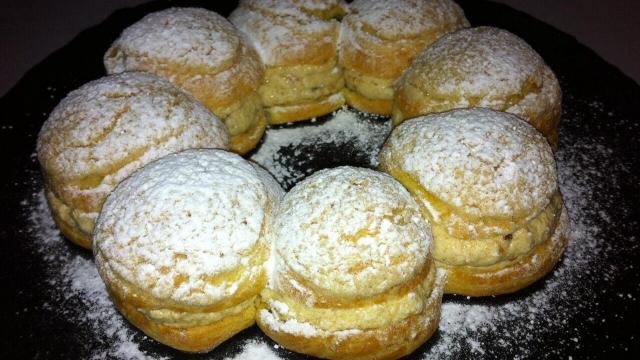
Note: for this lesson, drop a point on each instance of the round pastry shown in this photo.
(481, 67)
(379, 40)
(105, 130)
(486, 181)
(351, 274)
(297, 42)
(181, 246)
(202, 53)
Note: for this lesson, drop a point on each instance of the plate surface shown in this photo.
(54, 306)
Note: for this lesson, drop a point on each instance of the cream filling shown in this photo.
(491, 250)
(370, 316)
(174, 318)
(291, 85)
(369, 86)
(337, 99)
(83, 221)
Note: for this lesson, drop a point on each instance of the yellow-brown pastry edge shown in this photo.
(248, 140)
(365, 104)
(192, 339)
(300, 112)
(60, 212)
(398, 339)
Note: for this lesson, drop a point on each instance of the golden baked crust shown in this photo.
(290, 113)
(248, 140)
(202, 53)
(481, 67)
(380, 39)
(105, 130)
(363, 103)
(191, 339)
(69, 220)
(391, 341)
(486, 181)
(297, 43)
(351, 275)
(181, 246)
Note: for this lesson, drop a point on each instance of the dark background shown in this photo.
(32, 29)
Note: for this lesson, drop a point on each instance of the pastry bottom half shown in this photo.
(511, 275)
(188, 327)
(391, 340)
(197, 338)
(244, 142)
(368, 93)
(290, 113)
(74, 224)
(369, 105)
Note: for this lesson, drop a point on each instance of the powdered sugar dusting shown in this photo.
(331, 223)
(76, 291)
(188, 215)
(403, 18)
(291, 153)
(483, 67)
(484, 162)
(284, 30)
(112, 126)
(254, 350)
(537, 323)
(185, 36)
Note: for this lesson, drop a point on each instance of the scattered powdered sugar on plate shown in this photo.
(538, 322)
(293, 152)
(253, 350)
(78, 292)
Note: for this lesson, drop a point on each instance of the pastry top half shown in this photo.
(188, 231)
(478, 172)
(480, 67)
(380, 38)
(195, 49)
(348, 234)
(102, 132)
(291, 32)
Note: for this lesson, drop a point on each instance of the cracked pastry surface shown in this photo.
(351, 275)
(481, 67)
(297, 42)
(379, 39)
(202, 53)
(486, 180)
(181, 246)
(103, 131)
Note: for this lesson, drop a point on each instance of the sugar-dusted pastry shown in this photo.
(105, 130)
(380, 38)
(297, 42)
(486, 181)
(351, 275)
(202, 53)
(181, 246)
(481, 67)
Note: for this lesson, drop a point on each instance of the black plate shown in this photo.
(588, 308)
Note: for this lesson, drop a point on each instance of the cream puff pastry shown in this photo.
(181, 246)
(297, 42)
(486, 181)
(481, 67)
(351, 275)
(102, 132)
(379, 39)
(202, 53)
